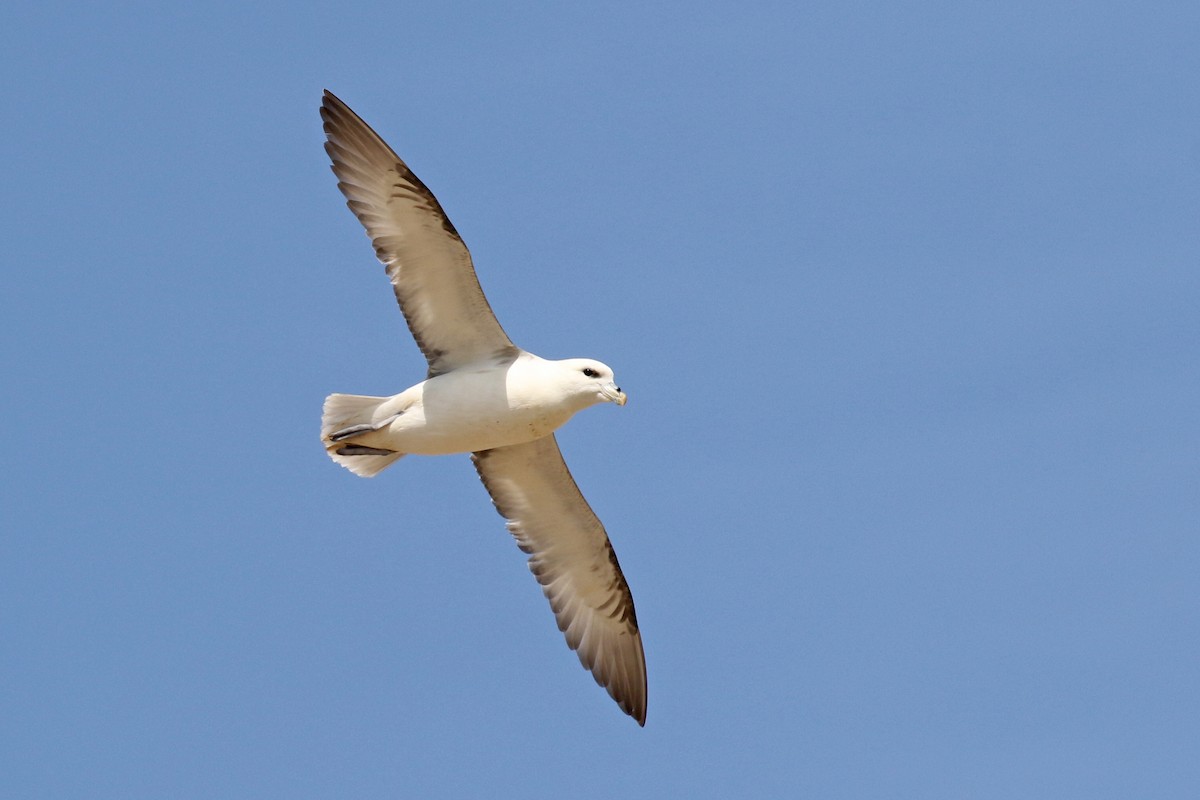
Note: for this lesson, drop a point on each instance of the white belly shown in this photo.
(462, 412)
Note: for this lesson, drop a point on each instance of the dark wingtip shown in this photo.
(639, 713)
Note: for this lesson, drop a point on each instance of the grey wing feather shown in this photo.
(571, 557)
(427, 262)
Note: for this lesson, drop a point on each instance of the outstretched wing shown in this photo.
(570, 555)
(427, 262)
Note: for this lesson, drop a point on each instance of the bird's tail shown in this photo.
(345, 417)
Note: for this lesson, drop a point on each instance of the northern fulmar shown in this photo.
(485, 396)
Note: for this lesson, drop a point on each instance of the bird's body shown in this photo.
(485, 396)
(496, 403)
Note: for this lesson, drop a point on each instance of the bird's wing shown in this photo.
(427, 262)
(570, 555)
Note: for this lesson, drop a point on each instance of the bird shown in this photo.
(485, 396)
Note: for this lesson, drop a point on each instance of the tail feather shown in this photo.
(346, 416)
(347, 410)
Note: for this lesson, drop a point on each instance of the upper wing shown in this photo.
(427, 262)
(571, 557)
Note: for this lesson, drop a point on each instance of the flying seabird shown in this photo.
(485, 396)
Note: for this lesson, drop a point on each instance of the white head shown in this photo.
(591, 381)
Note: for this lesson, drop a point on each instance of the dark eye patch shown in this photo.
(591, 373)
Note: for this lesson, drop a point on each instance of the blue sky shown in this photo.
(905, 300)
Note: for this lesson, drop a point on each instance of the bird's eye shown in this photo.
(591, 373)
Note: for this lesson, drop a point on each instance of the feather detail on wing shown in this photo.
(429, 265)
(571, 557)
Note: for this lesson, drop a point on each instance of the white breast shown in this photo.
(468, 410)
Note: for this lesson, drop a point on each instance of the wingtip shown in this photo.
(638, 711)
(330, 104)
